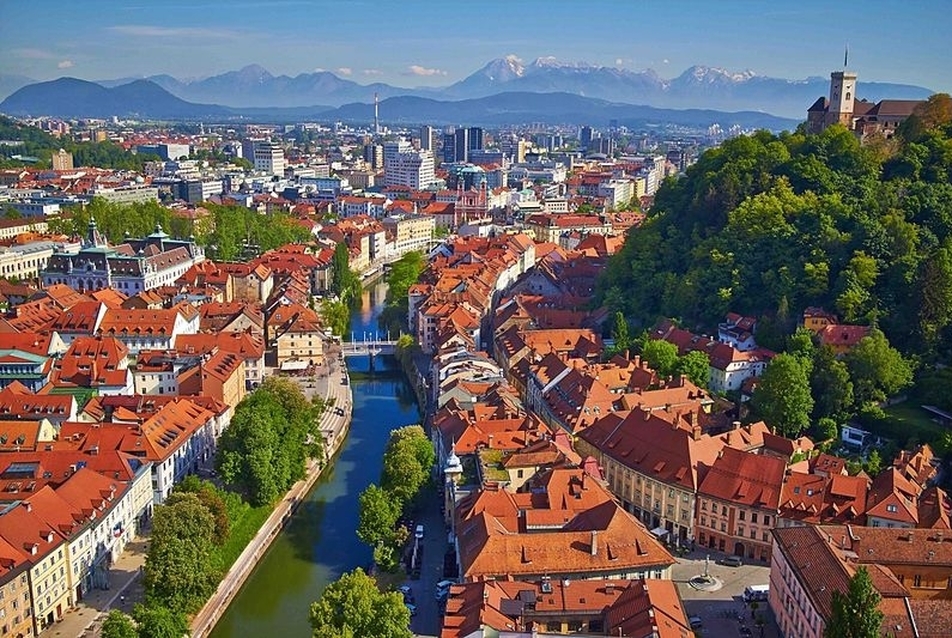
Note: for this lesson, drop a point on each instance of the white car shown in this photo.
(419, 531)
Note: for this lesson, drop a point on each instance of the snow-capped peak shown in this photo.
(504, 69)
(712, 74)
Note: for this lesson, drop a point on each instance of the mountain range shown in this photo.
(144, 99)
(697, 87)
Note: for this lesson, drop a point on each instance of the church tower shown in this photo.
(842, 97)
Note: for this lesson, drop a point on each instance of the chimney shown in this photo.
(594, 542)
(735, 425)
(28, 505)
(107, 413)
(696, 432)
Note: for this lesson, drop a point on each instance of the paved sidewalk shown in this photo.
(125, 589)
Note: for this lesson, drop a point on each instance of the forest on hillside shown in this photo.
(767, 225)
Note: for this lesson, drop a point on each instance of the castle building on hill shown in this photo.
(860, 116)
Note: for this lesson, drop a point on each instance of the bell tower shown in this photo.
(842, 95)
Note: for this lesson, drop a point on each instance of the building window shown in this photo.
(743, 516)
(917, 581)
(766, 520)
(753, 517)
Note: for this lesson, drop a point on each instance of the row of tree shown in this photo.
(403, 273)
(407, 461)
(42, 145)
(809, 383)
(273, 433)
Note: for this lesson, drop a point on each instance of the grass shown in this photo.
(245, 523)
(906, 420)
(492, 465)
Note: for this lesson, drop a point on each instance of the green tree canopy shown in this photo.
(178, 570)
(782, 399)
(353, 606)
(118, 625)
(830, 386)
(406, 463)
(273, 432)
(156, 621)
(696, 366)
(344, 282)
(877, 369)
(856, 612)
(661, 356)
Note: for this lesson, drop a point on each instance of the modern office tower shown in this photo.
(427, 138)
(410, 168)
(373, 155)
(475, 142)
(585, 136)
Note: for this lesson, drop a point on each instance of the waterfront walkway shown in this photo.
(125, 577)
(334, 426)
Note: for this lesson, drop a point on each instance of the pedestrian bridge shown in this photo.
(367, 348)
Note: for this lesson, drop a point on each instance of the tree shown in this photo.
(344, 282)
(830, 386)
(406, 463)
(379, 513)
(178, 568)
(272, 434)
(856, 612)
(213, 500)
(156, 621)
(782, 398)
(336, 316)
(877, 369)
(696, 366)
(353, 606)
(118, 625)
(661, 355)
(874, 463)
(621, 334)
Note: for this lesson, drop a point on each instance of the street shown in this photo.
(722, 610)
(429, 611)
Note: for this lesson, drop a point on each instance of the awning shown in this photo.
(290, 366)
(660, 532)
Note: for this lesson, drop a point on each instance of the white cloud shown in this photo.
(345, 70)
(319, 69)
(152, 31)
(619, 62)
(664, 61)
(65, 64)
(416, 69)
(372, 72)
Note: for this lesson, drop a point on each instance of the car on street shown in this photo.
(419, 531)
(695, 622)
(443, 589)
(732, 561)
(412, 608)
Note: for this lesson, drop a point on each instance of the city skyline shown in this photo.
(419, 46)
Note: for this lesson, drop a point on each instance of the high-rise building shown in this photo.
(62, 160)
(269, 158)
(373, 155)
(427, 138)
(409, 168)
(393, 148)
(585, 136)
(475, 142)
(462, 145)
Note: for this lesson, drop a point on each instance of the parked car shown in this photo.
(732, 561)
(412, 608)
(419, 531)
(443, 589)
(695, 622)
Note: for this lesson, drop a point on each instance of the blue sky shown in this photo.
(416, 43)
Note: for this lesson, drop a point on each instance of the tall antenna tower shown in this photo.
(376, 114)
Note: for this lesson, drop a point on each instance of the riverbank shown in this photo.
(334, 427)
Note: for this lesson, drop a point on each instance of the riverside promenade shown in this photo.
(333, 426)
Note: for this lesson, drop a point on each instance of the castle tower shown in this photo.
(842, 97)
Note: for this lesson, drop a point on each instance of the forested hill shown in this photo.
(768, 225)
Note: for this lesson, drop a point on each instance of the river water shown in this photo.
(320, 543)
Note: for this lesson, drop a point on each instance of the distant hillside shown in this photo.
(10, 83)
(565, 108)
(69, 97)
